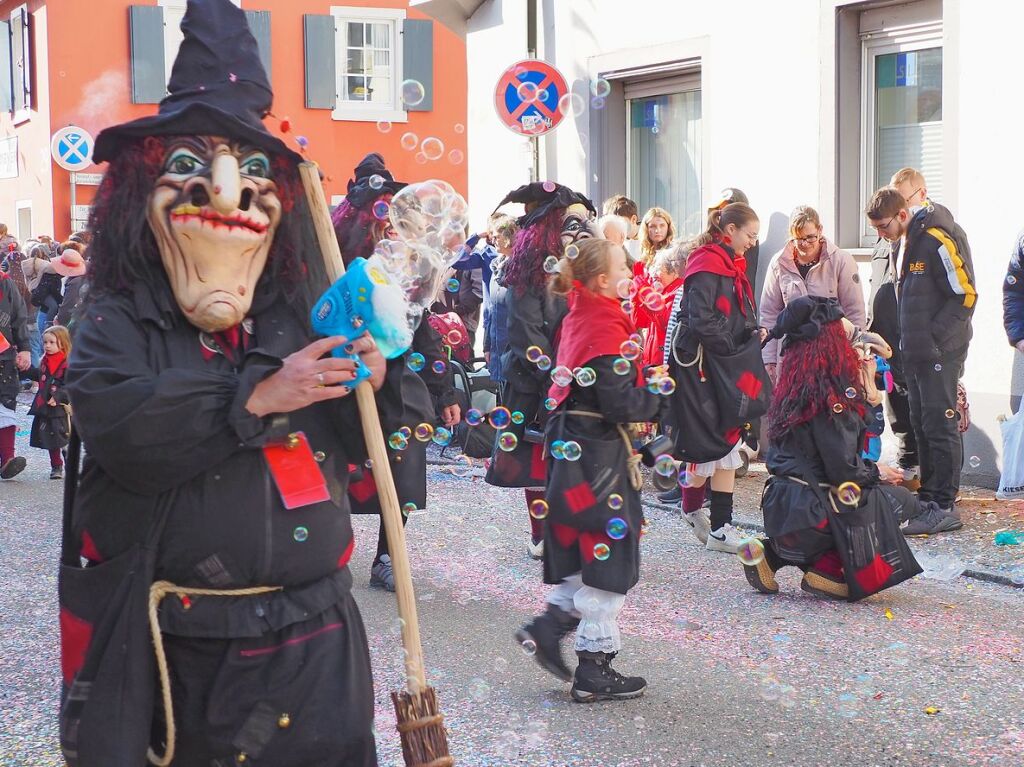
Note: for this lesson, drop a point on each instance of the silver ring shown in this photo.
(320, 378)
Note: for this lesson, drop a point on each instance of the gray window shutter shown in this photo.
(6, 83)
(259, 25)
(18, 62)
(418, 60)
(149, 81)
(321, 63)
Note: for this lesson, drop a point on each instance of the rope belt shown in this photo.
(636, 479)
(830, 491)
(157, 592)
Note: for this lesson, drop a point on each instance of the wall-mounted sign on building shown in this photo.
(9, 157)
(528, 95)
(71, 148)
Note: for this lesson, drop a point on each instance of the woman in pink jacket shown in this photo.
(809, 265)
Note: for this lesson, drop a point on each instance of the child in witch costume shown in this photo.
(360, 222)
(716, 318)
(213, 494)
(556, 218)
(51, 425)
(592, 514)
(15, 358)
(820, 412)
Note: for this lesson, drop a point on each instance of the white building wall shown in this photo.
(769, 113)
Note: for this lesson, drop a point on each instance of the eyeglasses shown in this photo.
(908, 199)
(752, 237)
(809, 239)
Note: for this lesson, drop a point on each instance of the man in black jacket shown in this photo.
(935, 298)
(1013, 296)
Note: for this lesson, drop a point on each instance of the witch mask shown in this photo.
(214, 211)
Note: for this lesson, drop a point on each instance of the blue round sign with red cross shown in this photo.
(527, 97)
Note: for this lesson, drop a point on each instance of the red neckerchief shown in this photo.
(232, 343)
(595, 326)
(720, 259)
(54, 361)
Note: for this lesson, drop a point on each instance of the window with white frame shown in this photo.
(901, 90)
(174, 12)
(369, 56)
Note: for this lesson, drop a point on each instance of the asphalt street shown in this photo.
(928, 673)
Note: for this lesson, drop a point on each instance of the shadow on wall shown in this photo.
(773, 239)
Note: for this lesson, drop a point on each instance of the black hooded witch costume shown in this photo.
(185, 492)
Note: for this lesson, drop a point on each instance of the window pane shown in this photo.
(379, 35)
(356, 60)
(380, 90)
(355, 34)
(665, 157)
(355, 88)
(908, 116)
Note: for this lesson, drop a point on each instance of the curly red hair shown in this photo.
(814, 378)
(357, 229)
(525, 268)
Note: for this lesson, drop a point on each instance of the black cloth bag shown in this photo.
(741, 385)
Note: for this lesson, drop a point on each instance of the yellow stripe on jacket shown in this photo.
(954, 266)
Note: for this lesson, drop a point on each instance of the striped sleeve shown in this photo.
(956, 273)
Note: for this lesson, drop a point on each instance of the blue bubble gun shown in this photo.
(364, 300)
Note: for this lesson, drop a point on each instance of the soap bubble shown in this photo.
(527, 91)
(420, 158)
(405, 431)
(666, 386)
(551, 265)
(409, 141)
(621, 366)
(557, 449)
(534, 353)
(408, 508)
(518, 417)
(974, 461)
(561, 376)
(507, 441)
(381, 210)
(586, 377)
(538, 508)
(432, 147)
(413, 93)
(615, 501)
(627, 306)
(423, 432)
(851, 392)
(463, 466)
(624, 288)
(602, 551)
(1011, 280)
(654, 301)
(456, 157)
(500, 417)
(397, 441)
(300, 534)
(439, 367)
(459, 128)
(453, 337)
(572, 250)
(416, 362)
(600, 88)
(384, 126)
(597, 103)
(938, 368)
(838, 408)
(544, 363)
(376, 181)
(571, 104)
(442, 436)
(616, 528)
(849, 493)
(665, 465)
(453, 285)
(572, 450)
(474, 417)
(630, 349)
(529, 647)
(751, 551)
(950, 413)
(550, 403)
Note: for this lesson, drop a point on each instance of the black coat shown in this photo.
(162, 424)
(712, 318)
(883, 315)
(1013, 294)
(533, 320)
(14, 327)
(936, 289)
(578, 492)
(51, 427)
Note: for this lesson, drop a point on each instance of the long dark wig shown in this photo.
(814, 377)
(524, 269)
(124, 253)
(357, 229)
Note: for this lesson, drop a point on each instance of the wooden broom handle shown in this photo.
(391, 512)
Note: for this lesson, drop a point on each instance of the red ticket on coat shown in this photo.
(4, 344)
(296, 472)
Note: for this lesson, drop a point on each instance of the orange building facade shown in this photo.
(349, 77)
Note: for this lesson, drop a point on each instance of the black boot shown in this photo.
(595, 679)
(542, 636)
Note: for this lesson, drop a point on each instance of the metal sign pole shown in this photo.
(74, 201)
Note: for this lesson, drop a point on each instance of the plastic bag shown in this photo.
(1011, 481)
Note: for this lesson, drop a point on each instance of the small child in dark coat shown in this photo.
(51, 427)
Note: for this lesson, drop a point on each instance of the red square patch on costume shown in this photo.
(723, 305)
(872, 577)
(580, 498)
(538, 468)
(565, 536)
(364, 489)
(749, 384)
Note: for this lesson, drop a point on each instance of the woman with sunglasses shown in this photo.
(809, 265)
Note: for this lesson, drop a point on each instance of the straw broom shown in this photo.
(420, 723)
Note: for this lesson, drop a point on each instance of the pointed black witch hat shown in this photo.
(545, 196)
(218, 86)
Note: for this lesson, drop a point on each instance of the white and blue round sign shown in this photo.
(71, 148)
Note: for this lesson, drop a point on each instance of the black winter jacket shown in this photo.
(936, 291)
(14, 327)
(1013, 294)
(883, 315)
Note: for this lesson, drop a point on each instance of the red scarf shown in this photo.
(718, 259)
(54, 361)
(595, 326)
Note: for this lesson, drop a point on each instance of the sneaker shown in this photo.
(761, 577)
(542, 639)
(933, 519)
(536, 550)
(382, 575)
(595, 679)
(700, 521)
(822, 585)
(57, 472)
(13, 467)
(675, 495)
(726, 538)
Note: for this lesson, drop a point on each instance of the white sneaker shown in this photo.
(700, 521)
(911, 474)
(726, 538)
(536, 550)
